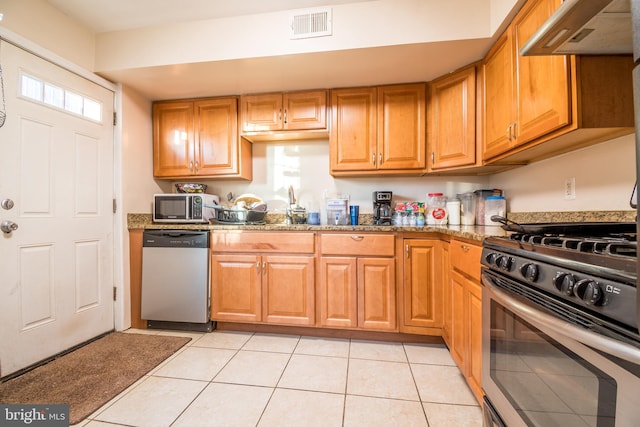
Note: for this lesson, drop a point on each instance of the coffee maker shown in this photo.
(382, 207)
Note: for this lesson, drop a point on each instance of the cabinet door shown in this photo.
(543, 82)
(173, 139)
(474, 377)
(401, 127)
(288, 291)
(337, 292)
(352, 143)
(446, 294)
(217, 136)
(459, 341)
(261, 112)
(451, 122)
(376, 293)
(236, 293)
(499, 90)
(305, 110)
(423, 284)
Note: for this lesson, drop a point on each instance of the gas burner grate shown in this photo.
(616, 245)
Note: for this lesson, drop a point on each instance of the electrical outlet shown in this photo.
(570, 188)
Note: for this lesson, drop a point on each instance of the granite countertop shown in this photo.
(144, 221)
(275, 222)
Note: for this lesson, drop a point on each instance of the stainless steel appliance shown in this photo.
(184, 207)
(560, 333)
(175, 279)
(382, 207)
(584, 27)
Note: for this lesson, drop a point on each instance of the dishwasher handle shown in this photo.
(175, 239)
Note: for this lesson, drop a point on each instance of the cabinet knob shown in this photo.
(357, 237)
(465, 248)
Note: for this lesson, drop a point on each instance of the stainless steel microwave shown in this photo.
(184, 207)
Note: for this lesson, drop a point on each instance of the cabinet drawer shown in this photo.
(465, 257)
(356, 244)
(274, 241)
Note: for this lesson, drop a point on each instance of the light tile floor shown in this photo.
(227, 378)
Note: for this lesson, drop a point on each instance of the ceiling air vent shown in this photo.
(310, 23)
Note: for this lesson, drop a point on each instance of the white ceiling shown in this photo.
(114, 15)
(357, 67)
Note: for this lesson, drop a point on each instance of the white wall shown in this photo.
(41, 23)
(604, 176)
(305, 166)
(356, 25)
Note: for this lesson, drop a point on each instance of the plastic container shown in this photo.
(467, 208)
(481, 196)
(436, 209)
(453, 210)
(494, 205)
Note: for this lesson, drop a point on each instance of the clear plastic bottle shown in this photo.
(436, 209)
(420, 220)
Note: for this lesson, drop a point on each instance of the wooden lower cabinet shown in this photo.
(357, 291)
(288, 290)
(269, 289)
(423, 288)
(236, 291)
(465, 342)
(249, 284)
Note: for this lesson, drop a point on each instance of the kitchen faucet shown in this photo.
(294, 208)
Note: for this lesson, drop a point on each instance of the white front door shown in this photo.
(56, 165)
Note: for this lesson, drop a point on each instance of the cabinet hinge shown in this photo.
(115, 293)
(115, 118)
(115, 206)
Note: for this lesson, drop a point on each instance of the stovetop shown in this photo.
(611, 247)
(590, 267)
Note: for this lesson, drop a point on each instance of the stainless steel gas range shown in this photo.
(560, 332)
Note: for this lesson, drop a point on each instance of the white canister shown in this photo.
(453, 210)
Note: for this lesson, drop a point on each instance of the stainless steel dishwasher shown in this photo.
(175, 279)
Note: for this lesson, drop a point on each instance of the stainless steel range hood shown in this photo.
(584, 27)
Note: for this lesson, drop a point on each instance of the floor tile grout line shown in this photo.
(277, 382)
(415, 384)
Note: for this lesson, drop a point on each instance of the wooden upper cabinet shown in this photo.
(451, 123)
(199, 138)
(378, 130)
(292, 111)
(261, 112)
(543, 86)
(216, 123)
(402, 127)
(569, 101)
(353, 143)
(173, 139)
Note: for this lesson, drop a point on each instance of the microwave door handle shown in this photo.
(536, 316)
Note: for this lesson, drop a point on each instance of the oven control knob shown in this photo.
(504, 262)
(491, 258)
(529, 271)
(588, 291)
(564, 282)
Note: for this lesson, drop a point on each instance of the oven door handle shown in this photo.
(533, 315)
